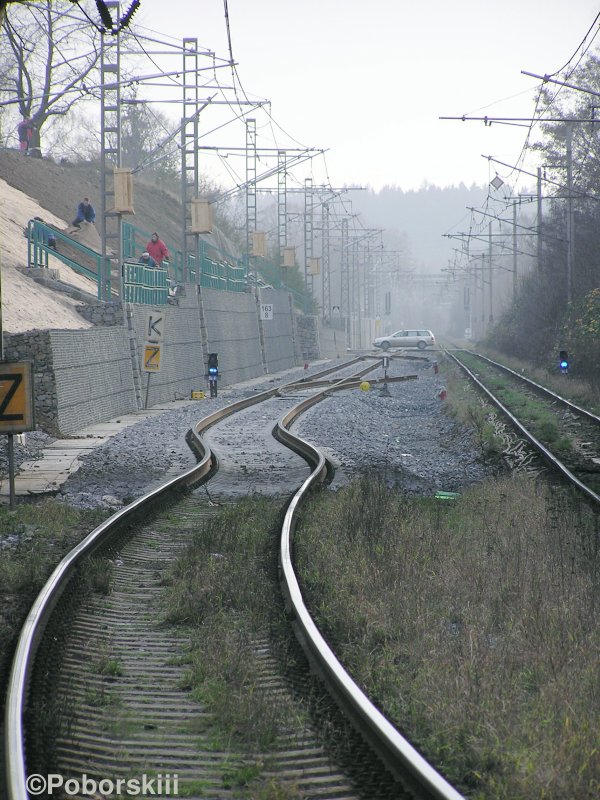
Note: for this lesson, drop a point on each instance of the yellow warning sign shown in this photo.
(151, 361)
(16, 397)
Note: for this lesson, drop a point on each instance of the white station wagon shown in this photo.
(412, 338)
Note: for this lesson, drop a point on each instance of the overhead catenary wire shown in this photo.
(596, 19)
(141, 41)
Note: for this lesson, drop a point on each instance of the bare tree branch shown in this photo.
(52, 55)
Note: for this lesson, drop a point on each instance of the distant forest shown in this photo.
(416, 221)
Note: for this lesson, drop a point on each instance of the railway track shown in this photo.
(566, 436)
(97, 683)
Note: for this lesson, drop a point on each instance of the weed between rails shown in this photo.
(467, 407)
(532, 410)
(473, 623)
(578, 391)
(223, 587)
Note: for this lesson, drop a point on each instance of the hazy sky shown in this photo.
(368, 80)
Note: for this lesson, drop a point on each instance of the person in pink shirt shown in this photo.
(157, 249)
(25, 130)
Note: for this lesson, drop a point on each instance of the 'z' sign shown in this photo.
(16, 397)
(151, 362)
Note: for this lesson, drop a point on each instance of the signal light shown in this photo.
(563, 361)
(213, 372)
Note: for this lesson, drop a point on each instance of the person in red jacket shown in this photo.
(157, 249)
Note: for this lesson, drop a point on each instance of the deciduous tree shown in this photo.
(53, 60)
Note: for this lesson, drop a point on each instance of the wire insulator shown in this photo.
(126, 18)
(104, 14)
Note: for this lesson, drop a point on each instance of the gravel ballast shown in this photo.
(406, 438)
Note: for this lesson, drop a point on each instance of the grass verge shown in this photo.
(473, 623)
(34, 538)
(568, 386)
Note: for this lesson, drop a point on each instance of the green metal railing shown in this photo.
(39, 239)
(211, 267)
(272, 274)
(145, 285)
(217, 268)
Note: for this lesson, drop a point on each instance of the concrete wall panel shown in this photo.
(82, 377)
(93, 377)
(232, 331)
(280, 335)
(181, 359)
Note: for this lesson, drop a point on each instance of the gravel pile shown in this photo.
(405, 437)
(27, 447)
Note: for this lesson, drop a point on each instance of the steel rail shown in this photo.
(546, 454)
(396, 751)
(353, 383)
(584, 412)
(335, 368)
(41, 610)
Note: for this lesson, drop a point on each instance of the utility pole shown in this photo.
(250, 190)
(325, 254)
(281, 203)
(514, 250)
(110, 153)
(491, 273)
(308, 239)
(358, 294)
(367, 282)
(570, 225)
(539, 219)
(344, 279)
(482, 270)
(190, 180)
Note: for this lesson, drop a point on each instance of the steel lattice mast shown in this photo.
(250, 186)
(110, 155)
(281, 203)
(190, 179)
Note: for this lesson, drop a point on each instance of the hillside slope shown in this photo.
(25, 304)
(38, 187)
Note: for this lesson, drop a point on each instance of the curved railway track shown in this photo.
(105, 673)
(576, 457)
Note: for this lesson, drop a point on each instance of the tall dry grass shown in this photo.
(473, 623)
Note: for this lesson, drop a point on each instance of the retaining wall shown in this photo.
(82, 377)
(230, 327)
(181, 358)
(93, 376)
(308, 338)
(279, 335)
(332, 340)
(36, 346)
